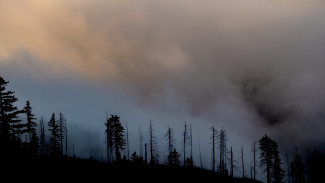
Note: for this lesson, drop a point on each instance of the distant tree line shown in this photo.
(28, 137)
(17, 136)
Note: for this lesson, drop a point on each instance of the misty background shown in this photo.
(251, 67)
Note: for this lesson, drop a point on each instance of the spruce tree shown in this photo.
(115, 136)
(31, 127)
(54, 136)
(173, 158)
(10, 127)
(297, 168)
(109, 138)
(278, 173)
(270, 160)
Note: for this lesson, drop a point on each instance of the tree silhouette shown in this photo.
(42, 137)
(115, 136)
(173, 158)
(31, 124)
(169, 136)
(10, 127)
(223, 151)
(266, 156)
(61, 131)
(297, 170)
(254, 151)
(231, 163)
(270, 159)
(127, 142)
(109, 138)
(134, 157)
(152, 145)
(54, 135)
(191, 144)
(66, 136)
(214, 141)
(278, 173)
(140, 142)
(30, 127)
(242, 161)
(185, 142)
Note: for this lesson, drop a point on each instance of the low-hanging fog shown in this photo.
(251, 67)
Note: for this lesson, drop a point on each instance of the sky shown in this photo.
(251, 67)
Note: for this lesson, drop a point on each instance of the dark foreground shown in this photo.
(43, 169)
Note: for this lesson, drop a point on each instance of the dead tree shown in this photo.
(66, 136)
(231, 163)
(254, 151)
(145, 153)
(213, 138)
(152, 145)
(127, 142)
(200, 149)
(169, 136)
(242, 161)
(288, 168)
(140, 142)
(191, 143)
(61, 131)
(185, 137)
(223, 151)
(42, 137)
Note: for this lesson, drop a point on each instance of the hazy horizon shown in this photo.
(251, 67)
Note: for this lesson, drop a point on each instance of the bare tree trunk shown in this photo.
(145, 153)
(220, 158)
(242, 160)
(184, 142)
(61, 133)
(73, 152)
(89, 151)
(151, 143)
(140, 142)
(191, 141)
(231, 163)
(254, 150)
(127, 141)
(42, 136)
(108, 149)
(213, 150)
(66, 138)
(200, 149)
(169, 135)
(288, 166)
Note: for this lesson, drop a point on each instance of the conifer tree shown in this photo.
(297, 170)
(54, 129)
(115, 136)
(42, 137)
(9, 121)
(278, 172)
(173, 158)
(31, 127)
(270, 160)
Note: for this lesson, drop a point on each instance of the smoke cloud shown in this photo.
(261, 59)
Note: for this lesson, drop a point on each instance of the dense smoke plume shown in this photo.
(263, 60)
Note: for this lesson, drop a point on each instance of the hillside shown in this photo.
(64, 168)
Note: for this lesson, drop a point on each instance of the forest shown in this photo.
(28, 148)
